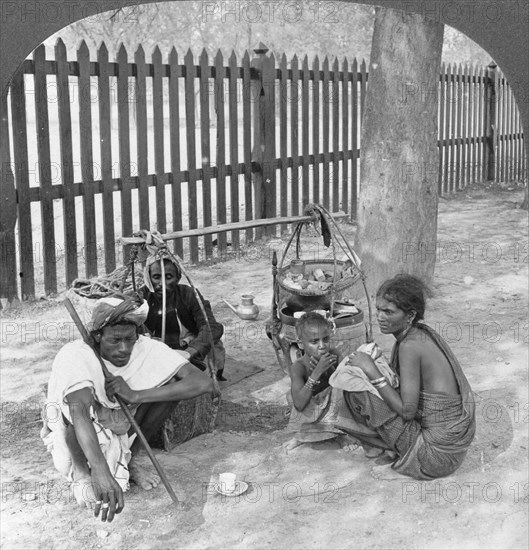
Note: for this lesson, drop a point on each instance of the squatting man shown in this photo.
(87, 433)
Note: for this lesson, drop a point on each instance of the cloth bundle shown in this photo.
(347, 377)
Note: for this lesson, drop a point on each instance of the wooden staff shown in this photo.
(274, 288)
(276, 342)
(164, 299)
(88, 340)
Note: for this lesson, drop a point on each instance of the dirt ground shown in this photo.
(317, 496)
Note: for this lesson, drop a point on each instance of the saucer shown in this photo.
(240, 488)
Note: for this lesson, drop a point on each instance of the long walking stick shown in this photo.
(88, 340)
(284, 360)
(164, 300)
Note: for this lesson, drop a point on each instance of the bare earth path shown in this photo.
(314, 497)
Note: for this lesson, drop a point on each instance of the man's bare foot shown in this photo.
(385, 472)
(144, 478)
(83, 492)
(291, 444)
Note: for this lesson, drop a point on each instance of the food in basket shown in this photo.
(291, 284)
(347, 269)
(294, 277)
(319, 278)
(317, 285)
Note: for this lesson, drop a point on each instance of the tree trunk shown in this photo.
(397, 215)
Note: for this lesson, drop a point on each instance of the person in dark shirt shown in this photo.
(186, 326)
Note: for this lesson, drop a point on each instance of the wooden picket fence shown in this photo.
(480, 131)
(106, 148)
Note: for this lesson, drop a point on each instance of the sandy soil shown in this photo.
(317, 496)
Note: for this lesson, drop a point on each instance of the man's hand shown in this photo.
(325, 362)
(215, 392)
(116, 385)
(108, 493)
(188, 353)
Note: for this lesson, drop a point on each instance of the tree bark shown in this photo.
(397, 215)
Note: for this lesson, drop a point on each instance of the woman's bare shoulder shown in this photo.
(414, 338)
(421, 345)
(414, 343)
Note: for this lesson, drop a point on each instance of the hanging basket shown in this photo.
(286, 297)
(325, 265)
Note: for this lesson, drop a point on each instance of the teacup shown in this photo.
(227, 482)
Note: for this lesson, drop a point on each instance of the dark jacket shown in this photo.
(186, 304)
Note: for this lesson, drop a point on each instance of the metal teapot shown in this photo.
(247, 310)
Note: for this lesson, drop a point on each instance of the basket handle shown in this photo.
(294, 233)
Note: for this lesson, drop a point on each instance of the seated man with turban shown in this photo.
(187, 328)
(88, 434)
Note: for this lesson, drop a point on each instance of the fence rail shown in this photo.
(104, 148)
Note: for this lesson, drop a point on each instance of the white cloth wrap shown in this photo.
(347, 377)
(76, 367)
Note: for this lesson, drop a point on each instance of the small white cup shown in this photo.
(227, 482)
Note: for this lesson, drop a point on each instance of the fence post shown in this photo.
(263, 153)
(490, 123)
(8, 214)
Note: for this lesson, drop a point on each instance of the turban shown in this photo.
(117, 309)
(160, 256)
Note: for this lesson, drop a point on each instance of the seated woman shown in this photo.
(318, 411)
(429, 422)
(186, 325)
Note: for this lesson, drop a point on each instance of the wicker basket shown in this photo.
(338, 286)
(190, 418)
